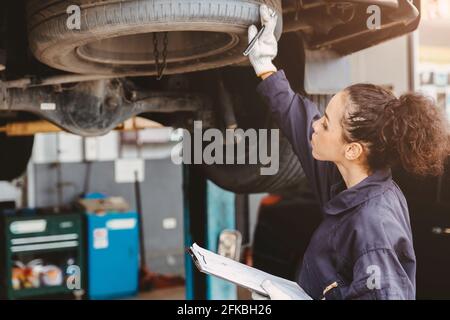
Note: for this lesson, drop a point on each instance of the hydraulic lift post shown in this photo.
(208, 210)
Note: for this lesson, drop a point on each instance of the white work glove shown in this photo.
(273, 291)
(266, 48)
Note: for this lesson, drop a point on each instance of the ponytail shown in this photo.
(410, 130)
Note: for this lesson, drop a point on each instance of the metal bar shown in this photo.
(220, 211)
(55, 80)
(137, 191)
(243, 217)
(195, 216)
(61, 237)
(386, 3)
(45, 246)
(226, 105)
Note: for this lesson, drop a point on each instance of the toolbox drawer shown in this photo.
(36, 252)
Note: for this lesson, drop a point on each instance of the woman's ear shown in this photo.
(353, 151)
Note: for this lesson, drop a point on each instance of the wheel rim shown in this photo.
(138, 49)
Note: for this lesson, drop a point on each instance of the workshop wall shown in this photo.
(366, 65)
(161, 202)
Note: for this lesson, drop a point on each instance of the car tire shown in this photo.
(113, 35)
(248, 178)
(16, 152)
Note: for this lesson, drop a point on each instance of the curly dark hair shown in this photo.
(410, 130)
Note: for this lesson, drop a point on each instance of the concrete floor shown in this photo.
(177, 293)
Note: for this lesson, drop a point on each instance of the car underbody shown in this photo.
(165, 60)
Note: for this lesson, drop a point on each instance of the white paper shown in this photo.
(101, 238)
(241, 274)
(48, 106)
(125, 170)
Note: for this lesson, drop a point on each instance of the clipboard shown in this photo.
(240, 274)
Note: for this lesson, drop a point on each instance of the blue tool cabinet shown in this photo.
(113, 255)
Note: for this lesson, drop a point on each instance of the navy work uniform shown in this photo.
(363, 249)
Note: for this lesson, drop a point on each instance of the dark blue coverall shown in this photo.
(364, 242)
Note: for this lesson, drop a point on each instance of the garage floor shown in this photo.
(177, 293)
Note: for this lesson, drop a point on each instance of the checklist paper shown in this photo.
(240, 274)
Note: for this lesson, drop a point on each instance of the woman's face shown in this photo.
(327, 140)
